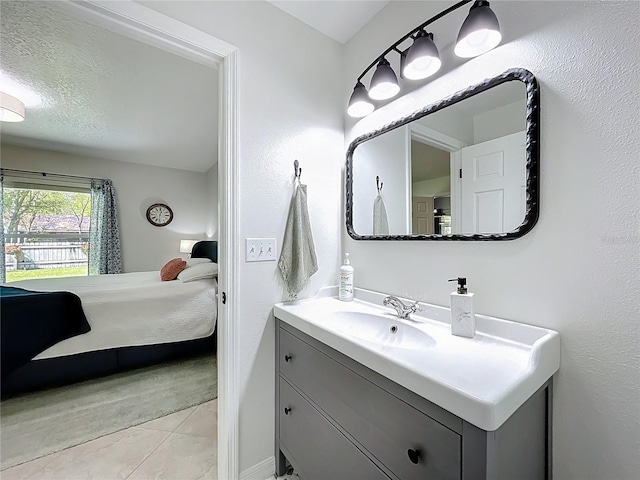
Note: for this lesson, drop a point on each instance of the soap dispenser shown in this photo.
(345, 289)
(463, 317)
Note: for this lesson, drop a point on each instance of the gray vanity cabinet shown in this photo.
(336, 419)
(317, 444)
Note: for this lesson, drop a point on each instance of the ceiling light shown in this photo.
(29, 98)
(384, 83)
(11, 109)
(421, 60)
(480, 31)
(359, 103)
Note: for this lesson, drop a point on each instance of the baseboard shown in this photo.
(260, 471)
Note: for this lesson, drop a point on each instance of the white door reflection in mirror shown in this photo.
(493, 185)
(422, 215)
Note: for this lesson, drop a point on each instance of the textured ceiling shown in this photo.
(93, 92)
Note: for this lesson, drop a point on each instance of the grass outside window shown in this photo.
(15, 275)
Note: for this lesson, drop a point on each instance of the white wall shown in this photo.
(290, 107)
(451, 122)
(435, 187)
(144, 247)
(387, 157)
(577, 270)
(499, 122)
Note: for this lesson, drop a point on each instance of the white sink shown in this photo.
(381, 330)
(482, 380)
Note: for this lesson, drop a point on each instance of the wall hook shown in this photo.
(379, 184)
(296, 169)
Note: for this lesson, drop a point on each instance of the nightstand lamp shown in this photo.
(187, 245)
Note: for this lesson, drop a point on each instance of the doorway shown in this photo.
(430, 189)
(139, 22)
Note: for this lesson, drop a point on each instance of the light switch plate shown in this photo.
(261, 250)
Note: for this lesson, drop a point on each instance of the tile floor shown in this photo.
(180, 446)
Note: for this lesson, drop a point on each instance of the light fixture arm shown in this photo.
(479, 33)
(411, 35)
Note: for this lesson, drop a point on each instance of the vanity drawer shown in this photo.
(382, 423)
(315, 448)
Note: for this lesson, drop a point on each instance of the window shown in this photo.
(46, 230)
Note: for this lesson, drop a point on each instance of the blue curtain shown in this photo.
(3, 271)
(104, 236)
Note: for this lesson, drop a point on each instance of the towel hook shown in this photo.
(296, 169)
(379, 184)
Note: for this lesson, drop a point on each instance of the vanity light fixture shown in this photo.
(480, 32)
(360, 105)
(421, 60)
(384, 83)
(11, 109)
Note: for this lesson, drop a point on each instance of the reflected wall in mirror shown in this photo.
(465, 168)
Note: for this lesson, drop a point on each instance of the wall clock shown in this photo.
(159, 215)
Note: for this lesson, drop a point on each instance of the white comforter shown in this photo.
(132, 309)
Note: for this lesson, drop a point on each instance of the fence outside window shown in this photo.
(30, 251)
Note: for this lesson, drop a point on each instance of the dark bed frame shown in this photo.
(55, 372)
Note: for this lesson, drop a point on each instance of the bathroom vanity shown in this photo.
(357, 396)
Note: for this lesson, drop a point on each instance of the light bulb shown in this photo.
(422, 59)
(359, 103)
(384, 83)
(480, 31)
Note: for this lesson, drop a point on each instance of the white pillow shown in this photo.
(198, 272)
(197, 261)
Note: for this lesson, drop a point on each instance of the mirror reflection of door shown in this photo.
(430, 182)
(493, 185)
(422, 217)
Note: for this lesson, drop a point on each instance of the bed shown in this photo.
(135, 320)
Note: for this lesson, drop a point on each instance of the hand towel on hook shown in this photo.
(380, 223)
(298, 256)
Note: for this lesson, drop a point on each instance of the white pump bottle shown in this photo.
(463, 317)
(345, 289)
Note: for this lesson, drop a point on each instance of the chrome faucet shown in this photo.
(403, 310)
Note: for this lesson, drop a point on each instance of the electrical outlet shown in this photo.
(261, 250)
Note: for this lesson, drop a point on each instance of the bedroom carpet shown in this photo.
(41, 423)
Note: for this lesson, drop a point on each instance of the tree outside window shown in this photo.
(46, 232)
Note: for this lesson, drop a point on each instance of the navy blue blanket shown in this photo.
(31, 322)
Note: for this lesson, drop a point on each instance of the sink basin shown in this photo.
(482, 380)
(380, 330)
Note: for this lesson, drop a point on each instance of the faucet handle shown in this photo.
(415, 307)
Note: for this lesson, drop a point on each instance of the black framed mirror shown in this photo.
(463, 168)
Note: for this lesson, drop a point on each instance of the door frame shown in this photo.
(148, 26)
(441, 141)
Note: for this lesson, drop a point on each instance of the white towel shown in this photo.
(298, 256)
(380, 223)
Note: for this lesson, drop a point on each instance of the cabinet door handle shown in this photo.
(414, 455)
(287, 358)
(286, 410)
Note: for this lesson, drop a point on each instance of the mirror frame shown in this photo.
(532, 152)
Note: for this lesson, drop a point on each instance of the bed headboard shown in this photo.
(205, 249)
